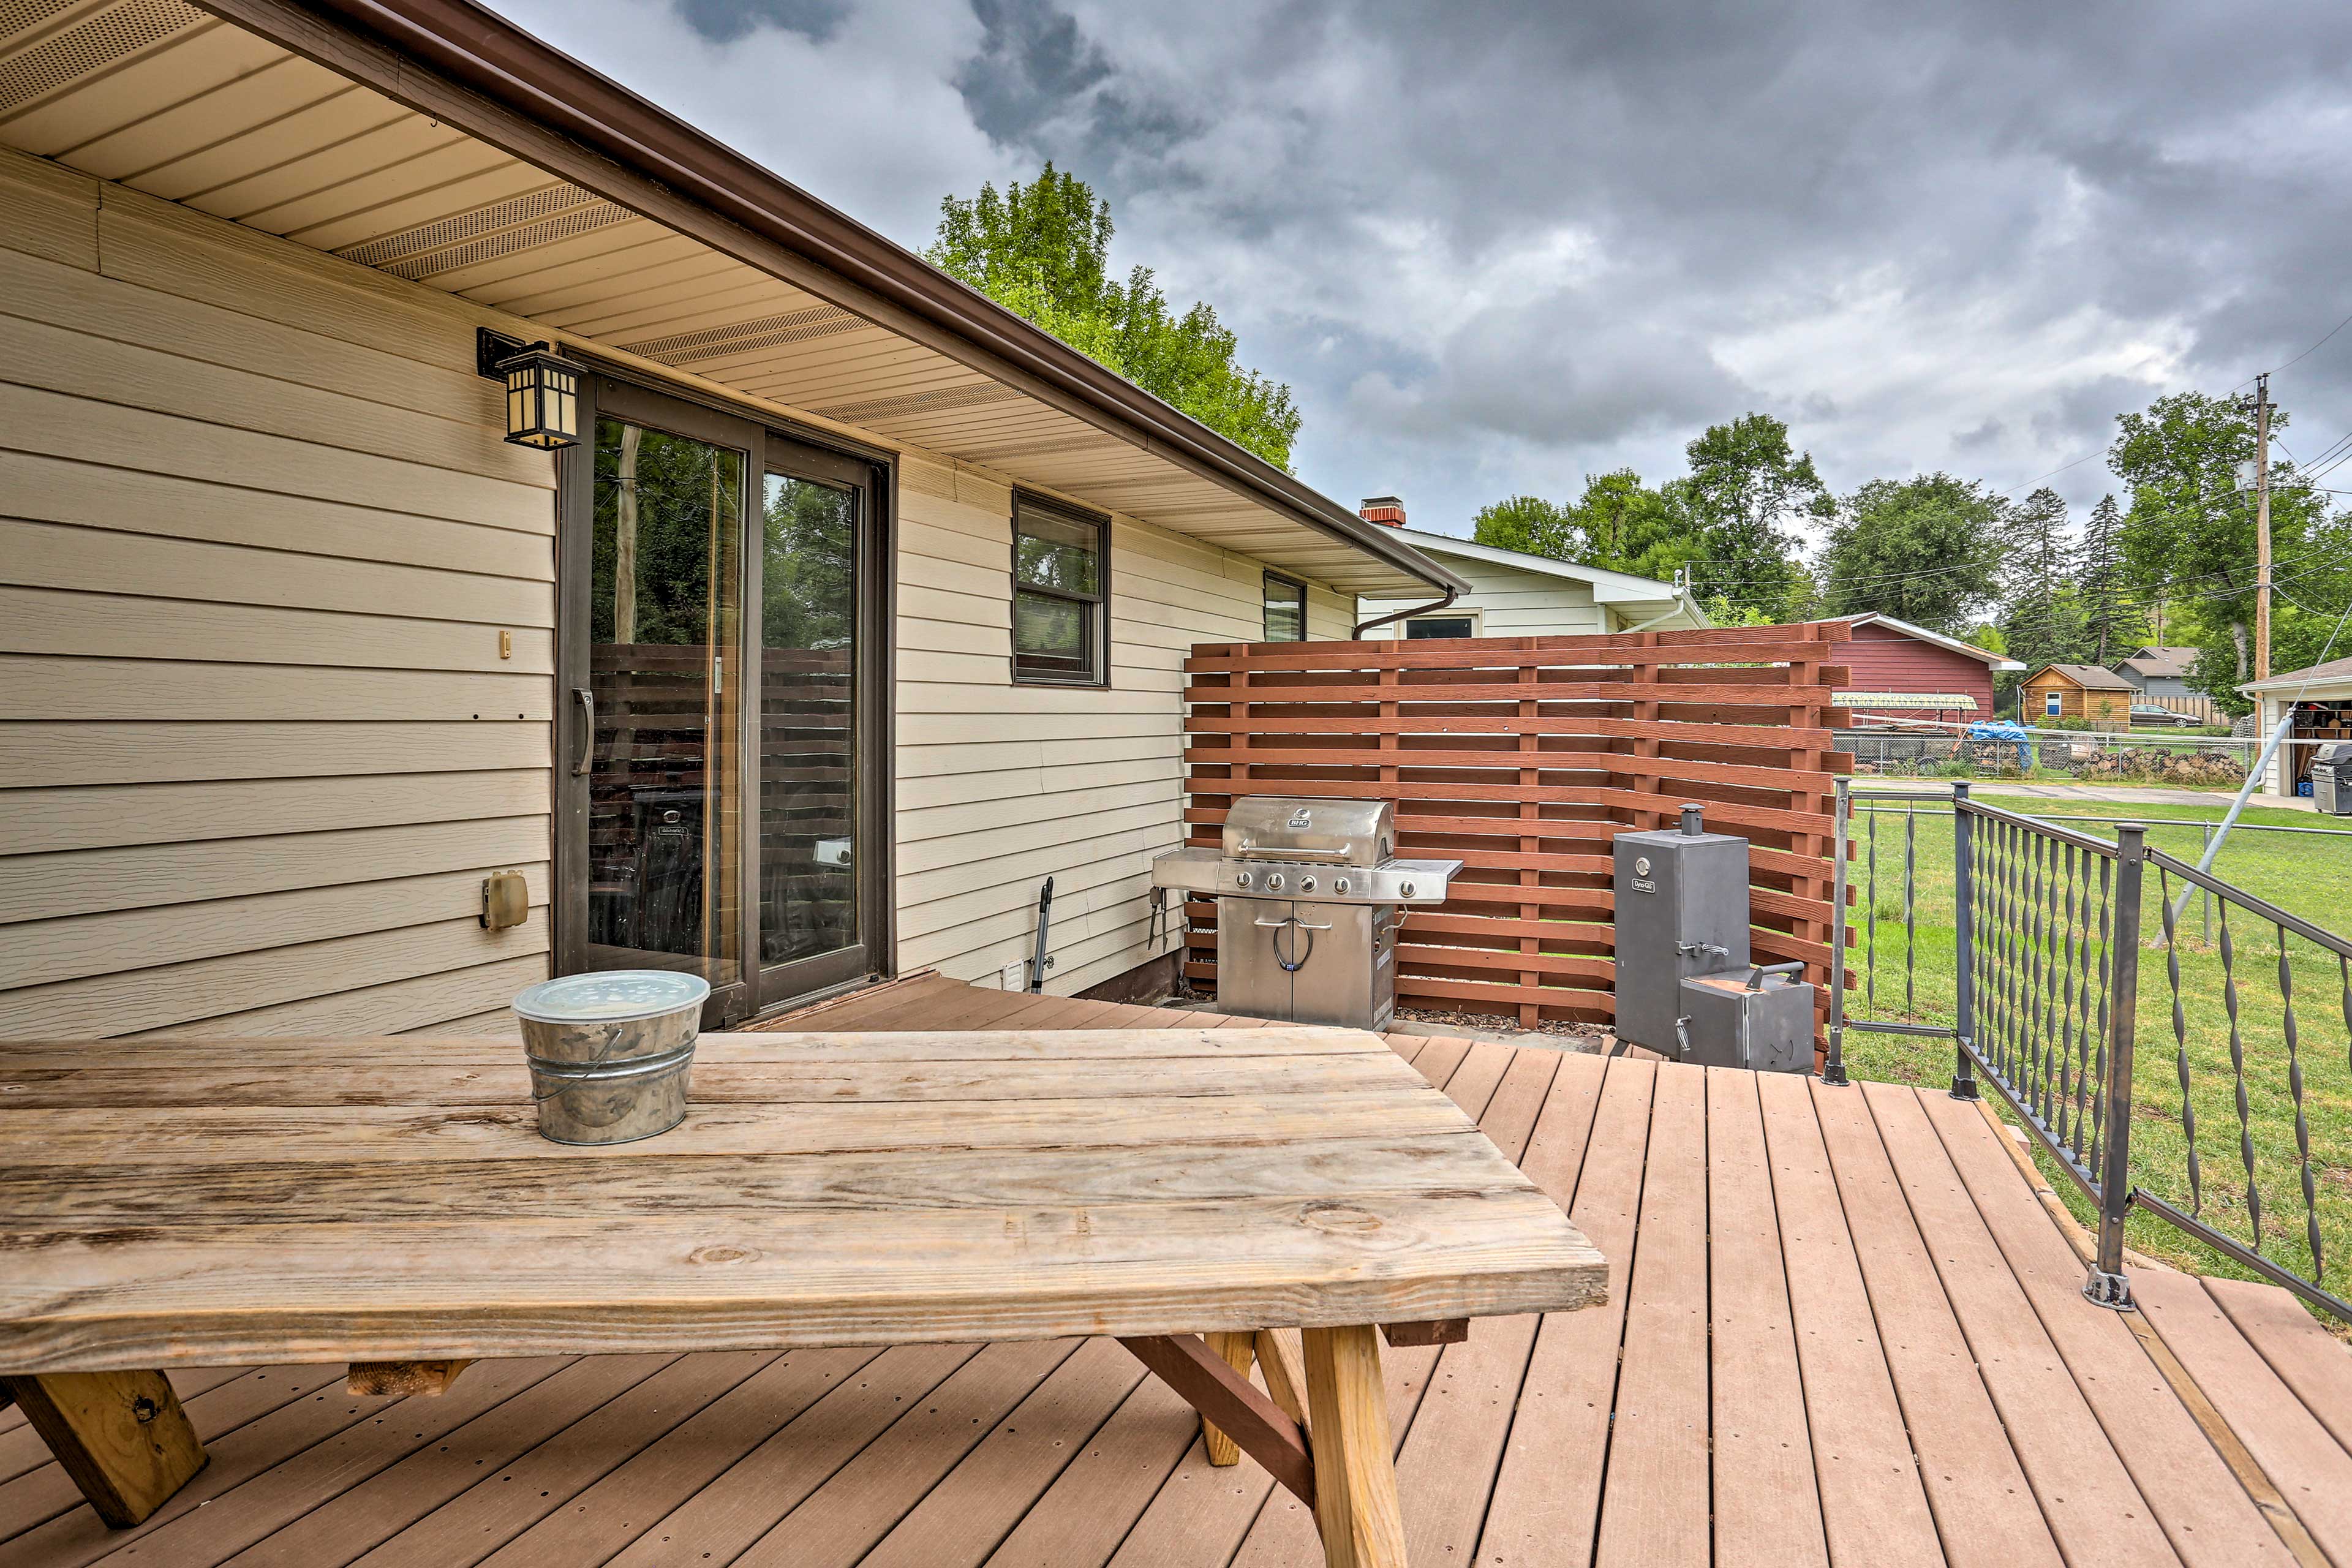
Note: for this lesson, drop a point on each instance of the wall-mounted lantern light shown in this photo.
(542, 391)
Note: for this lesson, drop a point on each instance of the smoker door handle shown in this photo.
(1293, 921)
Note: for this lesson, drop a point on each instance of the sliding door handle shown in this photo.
(587, 757)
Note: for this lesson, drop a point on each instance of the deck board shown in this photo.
(1768, 1504)
(1813, 1291)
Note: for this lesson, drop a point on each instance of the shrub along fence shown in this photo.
(1523, 757)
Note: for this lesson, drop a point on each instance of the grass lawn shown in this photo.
(2306, 875)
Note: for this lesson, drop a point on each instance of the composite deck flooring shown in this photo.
(1843, 1328)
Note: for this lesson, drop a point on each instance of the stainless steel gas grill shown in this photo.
(1310, 895)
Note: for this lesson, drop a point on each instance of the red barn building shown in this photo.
(1903, 671)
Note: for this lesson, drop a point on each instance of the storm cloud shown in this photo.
(1495, 248)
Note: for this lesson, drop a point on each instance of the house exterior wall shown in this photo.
(1511, 603)
(2074, 701)
(1884, 660)
(260, 534)
(1000, 786)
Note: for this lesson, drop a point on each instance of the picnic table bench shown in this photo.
(388, 1203)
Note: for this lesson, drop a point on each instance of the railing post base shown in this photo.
(2106, 1289)
(1833, 1070)
(1964, 1081)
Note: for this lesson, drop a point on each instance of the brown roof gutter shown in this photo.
(484, 53)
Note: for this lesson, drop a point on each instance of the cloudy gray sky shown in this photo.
(1496, 248)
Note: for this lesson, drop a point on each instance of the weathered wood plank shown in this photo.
(121, 1437)
(776, 1082)
(367, 1191)
(1229, 1405)
(1355, 1490)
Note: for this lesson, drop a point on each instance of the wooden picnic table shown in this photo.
(388, 1203)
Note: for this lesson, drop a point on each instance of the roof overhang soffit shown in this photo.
(471, 70)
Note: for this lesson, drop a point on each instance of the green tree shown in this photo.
(1921, 550)
(1043, 251)
(1747, 485)
(2189, 533)
(2041, 612)
(2112, 622)
(1531, 525)
(1632, 528)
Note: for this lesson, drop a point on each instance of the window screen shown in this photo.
(1286, 610)
(1059, 578)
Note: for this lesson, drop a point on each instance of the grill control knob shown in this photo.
(1274, 881)
(1339, 886)
(1241, 878)
(1307, 884)
(1405, 889)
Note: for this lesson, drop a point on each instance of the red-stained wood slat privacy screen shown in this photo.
(1523, 756)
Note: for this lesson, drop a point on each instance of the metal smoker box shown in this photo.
(1742, 1019)
(1682, 910)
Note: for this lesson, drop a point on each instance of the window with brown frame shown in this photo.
(1061, 589)
(1286, 609)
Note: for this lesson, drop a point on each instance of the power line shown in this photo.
(2306, 355)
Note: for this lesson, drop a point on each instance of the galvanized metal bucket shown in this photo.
(610, 1052)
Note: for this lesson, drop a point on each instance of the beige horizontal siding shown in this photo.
(258, 538)
(998, 785)
(1513, 603)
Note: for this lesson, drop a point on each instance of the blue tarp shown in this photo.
(2002, 730)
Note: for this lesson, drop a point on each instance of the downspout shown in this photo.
(1363, 627)
(1679, 607)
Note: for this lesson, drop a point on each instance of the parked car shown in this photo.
(2151, 713)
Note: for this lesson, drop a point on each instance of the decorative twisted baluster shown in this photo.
(2238, 1071)
(2068, 1039)
(2302, 1124)
(2180, 1044)
(2099, 1041)
(2093, 984)
(1910, 912)
(1870, 928)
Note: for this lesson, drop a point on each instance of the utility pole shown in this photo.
(2262, 527)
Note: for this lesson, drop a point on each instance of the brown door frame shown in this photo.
(767, 444)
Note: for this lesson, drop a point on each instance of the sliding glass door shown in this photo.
(721, 806)
(811, 771)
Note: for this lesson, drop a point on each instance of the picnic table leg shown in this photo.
(1355, 1462)
(1237, 1351)
(122, 1436)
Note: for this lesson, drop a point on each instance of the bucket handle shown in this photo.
(578, 1076)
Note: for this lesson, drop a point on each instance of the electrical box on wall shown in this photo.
(505, 900)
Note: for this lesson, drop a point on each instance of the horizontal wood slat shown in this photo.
(1523, 757)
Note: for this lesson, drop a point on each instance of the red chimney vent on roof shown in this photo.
(1383, 509)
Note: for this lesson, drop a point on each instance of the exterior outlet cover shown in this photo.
(505, 900)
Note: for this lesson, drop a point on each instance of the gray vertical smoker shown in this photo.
(1686, 985)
